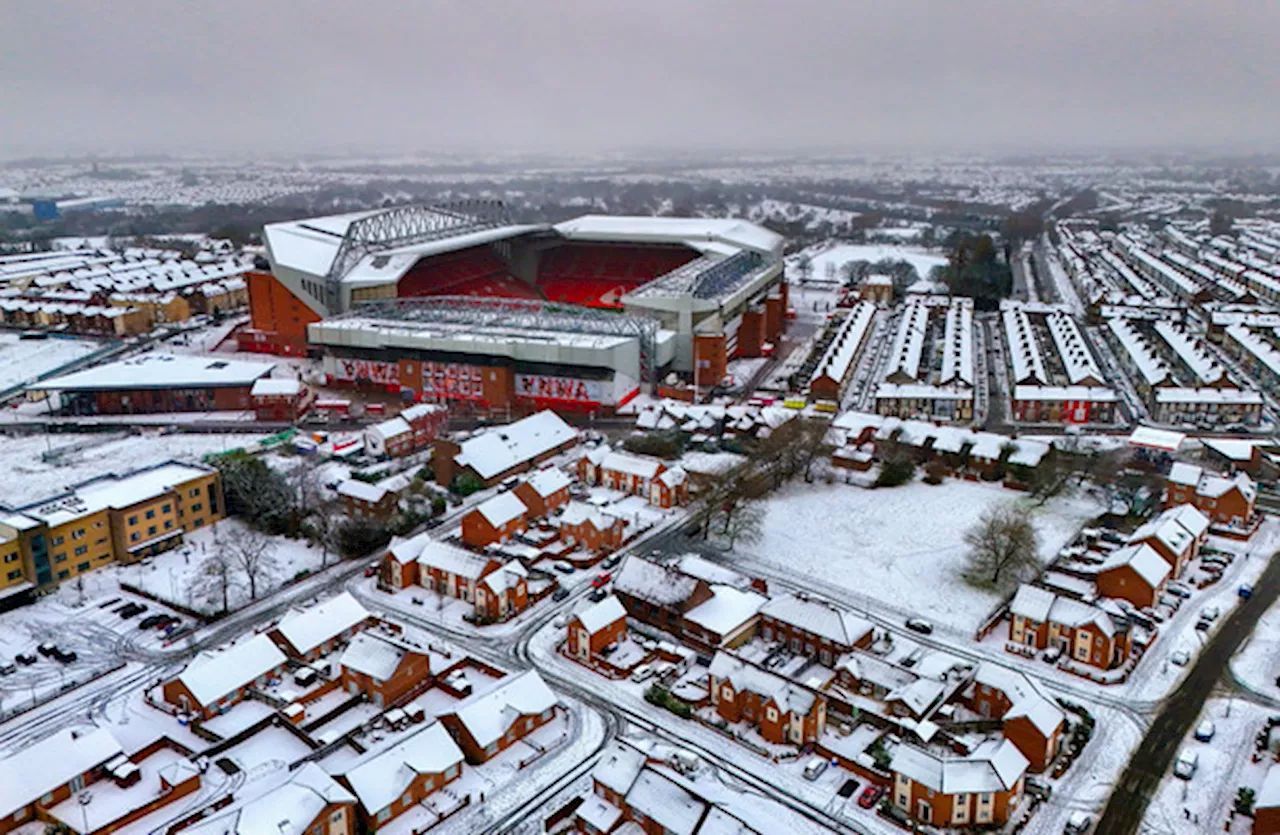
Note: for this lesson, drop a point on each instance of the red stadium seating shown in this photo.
(499, 286)
(468, 272)
(598, 275)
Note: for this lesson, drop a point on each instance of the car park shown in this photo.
(1205, 731)
(920, 625)
(870, 796)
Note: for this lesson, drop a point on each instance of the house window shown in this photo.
(191, 494)
(13, 575)
(57, 540)
(81, 549)
(151, 531)
(168, 523)
(151, 514)
(336, 817)
(133, 537)
(726, 692)
(771, 715)
(78, 534)
(133, 520)
(491, 748)
(384, 814)
(406, 799)
(11, 557)
(165, 508)
(84, 566)
(451, 772)
(61, 556)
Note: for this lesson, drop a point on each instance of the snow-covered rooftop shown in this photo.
(212, 675)
(694, 232)
(488, 714)
(502, 448)
(36, 770)
(383, 776)
(160, 371)
(728, 610)
(599, 615)
(502, 508)
(116, 492)
(1143, 559)
(307, 629)
(994, 767)
(818, 617)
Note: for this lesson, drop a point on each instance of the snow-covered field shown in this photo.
(900, 549)
(174, 575)
(922, 259)
(22, 360)
(33, 478)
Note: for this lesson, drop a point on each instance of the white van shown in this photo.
(814, 768)
(643, 673)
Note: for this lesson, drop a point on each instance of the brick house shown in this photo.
(544, 491)
(495, 520)
(727, 620)
(659, 595)
(1266, 807)
(954, 792)
(591, 528)
(499, 452)
(399, 568)
(596, 627)
(783, 712)
(214, 681)
(46, 773)
(1086, 633)
(1032, 720)
(816, 628)
(489, 721)
(428, 422)
(1135, 573)
(385, 666)
(639, 475)
(362, 500)
(503, 593)
(316, 804)
(1226, 501)
(390, 782)
(307, 634)
(1176, 535)
(413, 429)
(629, 794)
(449, 570)
(280, 400)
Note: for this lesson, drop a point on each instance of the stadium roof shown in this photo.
(160, 371)
(700, 233)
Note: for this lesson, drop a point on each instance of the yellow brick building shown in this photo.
(114, 518)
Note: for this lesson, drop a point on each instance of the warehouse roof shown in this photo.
(160, 371)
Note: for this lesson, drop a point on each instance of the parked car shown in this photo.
(47, 649)
(610, 561)
(150, 621)
(601, 579)
(562, 566)
(7, 668)
(1078, 824)
(643, 673)
(1245, 591)
(1052, 654)
(1185, 767)
(371, 571)
(560, 593)
(65, 656)
(1181, 658)
(26, 659)
(871, 796)
(1178, 590)
(849, 789)
(814, 768)
(920, 625)
(597, 594)
(1203, 625)
(1205, 731)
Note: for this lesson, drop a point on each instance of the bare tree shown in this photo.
(215, 582)
(743, 521)
(326, 519)
(1004, 546)
(251, 554)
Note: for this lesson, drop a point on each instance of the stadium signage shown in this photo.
(564, 389)
(382, 373)
(453, 380)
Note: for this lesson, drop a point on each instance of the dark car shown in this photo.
(26, 659)
(849, 789)
(560, 594)
(598, 594)
(610, 561)
(65, 656)
(920, 625)
(151, 621)
(871, 796)
(47, 649)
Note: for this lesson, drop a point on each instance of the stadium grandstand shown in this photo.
(709, 290)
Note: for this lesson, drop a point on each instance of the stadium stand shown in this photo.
(599, 275)
(476, 271)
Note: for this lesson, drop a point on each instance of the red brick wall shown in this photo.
(1123, 582)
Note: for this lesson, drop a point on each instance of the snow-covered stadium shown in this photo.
(458, 302)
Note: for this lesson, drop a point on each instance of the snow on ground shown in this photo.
(900, 548)
(175, 575)
(922, 259)
(1255, 665)
(22, 360)
(1225, 763)
(45, 465)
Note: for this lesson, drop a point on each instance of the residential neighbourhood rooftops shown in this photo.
(502, 508)
(450, 559)
(212, 675)
(384, 775)
(38, 769)
(489, 713)
(114, 491)
(307, 629)
(1032, 603)
(1143, 559)
(665, 585)
(548, 481)
(994, 767)
(618, 767)
(744, 676)
(362, 490)
(727, 611)
(599, 615)
(502, 448)
(820, 617)
(287, 808)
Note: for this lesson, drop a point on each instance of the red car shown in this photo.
(870, 796)
(601, 579)
(371, 571)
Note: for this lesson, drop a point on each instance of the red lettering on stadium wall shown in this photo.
(565, 389)
(382, 373)
(452, 381)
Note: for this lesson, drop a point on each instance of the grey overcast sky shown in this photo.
(589, 75)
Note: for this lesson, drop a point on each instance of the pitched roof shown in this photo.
(1143, 559)
(994, 767)
(35, 770)
(789, 696)
(818, 617)
(599, 615)
(309, 628)
(502, 448)
(363, 491)
(488, 714)
(374, 654)
(502, 508)
(1190, 518)
(1269, 793)
(547, 481)
(283, 809)
(212, 675)
(728, 610)
(1032, 603)
(451, 559)
(1183, 473)
(1026, 698)
(637, 465)
(618, 766)
(381, 777)
(649, 581)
